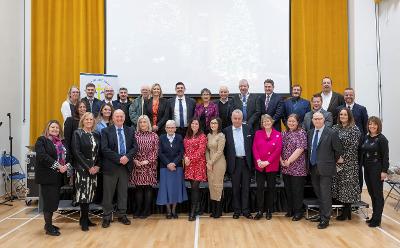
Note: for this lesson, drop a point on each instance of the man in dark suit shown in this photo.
(330, 99)
(238, 150)
(118, 146)
(123, 103)
(324, 151)
(316, 101)
(247, 103)
(270, 103)
(360, 115)
(225, 106)
(93, 104)
(296, 105)
(181, 109)
(108, 97)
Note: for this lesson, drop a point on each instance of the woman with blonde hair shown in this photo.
(68, 106)
(156, 109)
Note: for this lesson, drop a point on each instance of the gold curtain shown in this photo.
(319, 44)
(67, 38)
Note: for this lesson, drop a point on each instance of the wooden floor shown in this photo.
(22, 226)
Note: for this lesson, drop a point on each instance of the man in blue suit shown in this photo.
(360, 115)
(270, 103)
(296, 105)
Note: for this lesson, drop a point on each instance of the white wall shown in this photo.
(363, 63)
(11, 78)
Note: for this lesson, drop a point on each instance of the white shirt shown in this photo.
(326, 100)
(66, 110)
(239, 141)
(176, 112)
(171, 138)
(351, 106)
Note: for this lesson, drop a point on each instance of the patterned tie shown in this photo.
(244, 109)
(266, 102)
(181, 122)
(91, 105)
(122, 149)
(313, 158)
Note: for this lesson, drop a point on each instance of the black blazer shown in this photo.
(171, 154)
(329, 150)
(115, 104)
(82, 150)
(275, 109)
(252, 119)
(70, 125)
(190, 106)
(46, 156)
(230, 152)
(360, 115)
(95, 106)
(109, 148)
(226, 117)
(124, 107)
(336, 100)
(162, 115)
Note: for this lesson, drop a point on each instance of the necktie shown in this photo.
(349, 107)
(313, 159)
(266, 103)
(122, 149)
(181, 122)
(91, 105)
(244, 110)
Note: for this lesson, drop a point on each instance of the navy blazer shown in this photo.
(299, 107)
(162, 115)
(360, 115)
(95, 106)
(229, 150)
(275, 109)
(171, 153)
(190, 105)
(109, 148)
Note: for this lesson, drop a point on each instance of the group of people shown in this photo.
(128, 142)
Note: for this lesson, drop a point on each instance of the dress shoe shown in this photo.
(106, 223)
(258, 215)
(50, 230)
(236, 216)
(315, 218)
(368, 221)
(268, 215)
(323, 224)
(297, 217)
(192, 217)
(124, 220)
(374, 224)
(169, 216)
(56, 227)
(289, 214)
(248, 216)
(174, 215)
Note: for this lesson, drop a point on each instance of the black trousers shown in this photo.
(375, 188)
(294, 189)
(360, 176)
(117, 179)
(322, 188)
(51, 197)
(261, 177)
(241, 187)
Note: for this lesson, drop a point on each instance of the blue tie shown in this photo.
(244, 110)
(122, 150)
(181, 122)
(313, 158)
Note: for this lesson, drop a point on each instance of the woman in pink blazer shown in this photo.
(267, 147)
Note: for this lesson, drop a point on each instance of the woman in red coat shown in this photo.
(195, 144)
(267, 147)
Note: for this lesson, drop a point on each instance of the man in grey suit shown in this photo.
(316, 102)
(324, 151)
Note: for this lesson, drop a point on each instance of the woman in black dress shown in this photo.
(50, 165)
(375, 157)
(85, 148)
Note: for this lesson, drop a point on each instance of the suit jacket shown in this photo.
(162, 115)
(95, 106)
(109, 148)
(171, 154)
(252, 119)
(308, 119)
(46, 156)
(124, 107)
(115, 104)
(329, 150)
(275, 109)
(230, 152)
(300, 107)
(190, 106)
(225, 114)
(70, 125)
(360, 117)
(336, 100)
(85, 156)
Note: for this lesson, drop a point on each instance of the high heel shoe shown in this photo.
(268, 215)
(258, 215)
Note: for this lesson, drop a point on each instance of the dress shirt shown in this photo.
(326, 100)
(319, 134)
(239, 141)
(123, 136)
(176, 112)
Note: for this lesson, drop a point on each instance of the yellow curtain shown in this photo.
(319, 44)
(67, 38)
